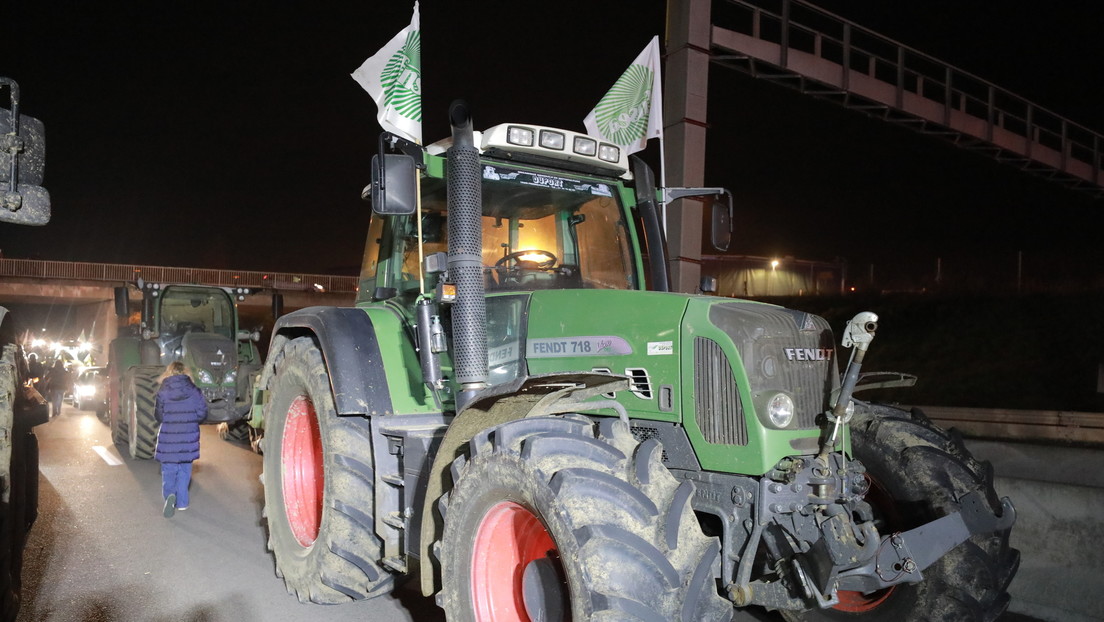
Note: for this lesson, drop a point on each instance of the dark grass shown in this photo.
(1034, 352)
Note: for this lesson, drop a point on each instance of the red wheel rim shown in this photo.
(508, 538)
(857, 602)
(304, 476)
(882, 503)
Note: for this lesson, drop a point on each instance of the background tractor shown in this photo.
(519, 413)
(191, 323)
(23, 201)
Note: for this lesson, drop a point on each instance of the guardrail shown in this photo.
(128, 273)
(1082, 428)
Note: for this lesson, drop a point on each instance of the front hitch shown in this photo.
(902, 556)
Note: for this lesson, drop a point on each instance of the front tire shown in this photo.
(319, 486)
(918, 472)
(576, 520)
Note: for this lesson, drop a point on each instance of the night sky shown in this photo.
(230, 135)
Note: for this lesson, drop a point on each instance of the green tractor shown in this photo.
(195, 324)
(519, 414)
(23, 201)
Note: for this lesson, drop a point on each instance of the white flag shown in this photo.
(632, 111)
(393, 77)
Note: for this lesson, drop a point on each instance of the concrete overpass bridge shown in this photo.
(62, 299)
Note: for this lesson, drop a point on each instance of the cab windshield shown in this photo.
(193, 309)
(540, 231)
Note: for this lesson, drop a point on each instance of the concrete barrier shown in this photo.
(1059, 497)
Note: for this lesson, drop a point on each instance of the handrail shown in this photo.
(127, 273)
(802, 27)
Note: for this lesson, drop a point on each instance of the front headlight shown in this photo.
(230, 377)
(205, 376)
(780, 410)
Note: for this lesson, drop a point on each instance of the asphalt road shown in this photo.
(101, 551)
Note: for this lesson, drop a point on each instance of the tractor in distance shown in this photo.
(23, 201)
(195, 324)
(518, 413)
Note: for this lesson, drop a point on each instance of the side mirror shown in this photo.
(122, 302)
(721, 221)
(721, 230)
(23, 200)
(394, 184)
(28, 205)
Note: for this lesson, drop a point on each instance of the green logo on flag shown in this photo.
(402, 79)
(622, 115)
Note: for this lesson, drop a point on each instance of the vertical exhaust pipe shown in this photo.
(465, 257)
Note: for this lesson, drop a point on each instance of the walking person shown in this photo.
(179, 409)
(58, 382)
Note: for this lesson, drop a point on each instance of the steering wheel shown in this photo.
(547, 263)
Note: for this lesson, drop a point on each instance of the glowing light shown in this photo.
(534, 257)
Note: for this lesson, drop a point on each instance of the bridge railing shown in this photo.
(128, 273)
(798, 27)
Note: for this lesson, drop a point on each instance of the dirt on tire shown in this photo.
(620, 524)
(918, 473)
(340, 560)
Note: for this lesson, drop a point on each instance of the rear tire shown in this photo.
(918, 472)
(574, 518)
(319, 486)
(117, 419)
(141, 400)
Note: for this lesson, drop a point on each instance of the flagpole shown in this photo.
(663, 182)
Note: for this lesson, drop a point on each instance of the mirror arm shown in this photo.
(671, 194)
(16, 144)
(392, 143)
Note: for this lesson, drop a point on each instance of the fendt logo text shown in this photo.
(808, 354)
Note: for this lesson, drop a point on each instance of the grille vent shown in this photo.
(639, 383)
(642, 434)
(717, 407)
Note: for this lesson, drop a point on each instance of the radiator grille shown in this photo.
(717, 407)
(782, 349)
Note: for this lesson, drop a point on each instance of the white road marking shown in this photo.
(107, 455)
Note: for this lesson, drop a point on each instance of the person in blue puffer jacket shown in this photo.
(179, 410)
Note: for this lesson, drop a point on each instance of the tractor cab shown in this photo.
(541, 228)
(187, 315)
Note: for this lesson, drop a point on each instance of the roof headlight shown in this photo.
(517, 135)
(780, 410)
(552, 140)
(585, 146)
(609, 153)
